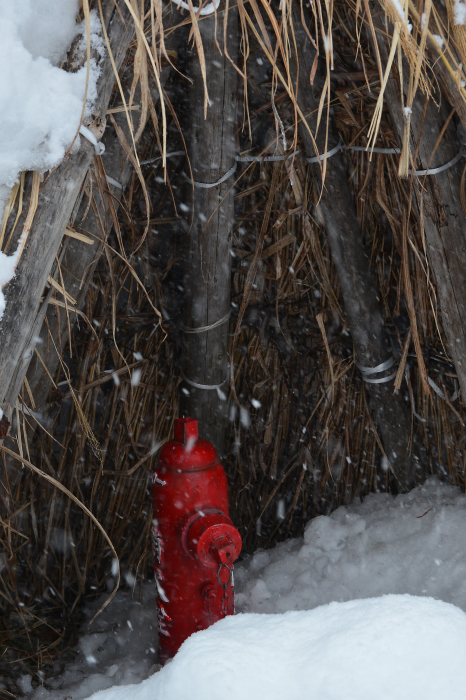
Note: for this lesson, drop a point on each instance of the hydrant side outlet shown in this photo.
(194, 541)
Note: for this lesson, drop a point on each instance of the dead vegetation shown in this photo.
(301, 438)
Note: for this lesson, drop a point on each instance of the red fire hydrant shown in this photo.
(195, 543)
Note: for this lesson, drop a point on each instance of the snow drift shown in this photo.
(388, 648)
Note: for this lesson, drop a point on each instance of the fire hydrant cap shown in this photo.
(211, 538)
(186, 452)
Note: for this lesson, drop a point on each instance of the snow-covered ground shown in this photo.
(387, 648)
(410, 544)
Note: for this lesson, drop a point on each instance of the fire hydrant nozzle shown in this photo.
(195, 542)
(204, 530)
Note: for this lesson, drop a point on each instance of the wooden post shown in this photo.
(25, 310)
(337, 213)
(443, 218)
(79, 259)
(211, 149)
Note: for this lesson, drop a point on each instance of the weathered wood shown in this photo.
(443, 218)
(24, 314)
(337, 213)
(211, 149)
(79, 260)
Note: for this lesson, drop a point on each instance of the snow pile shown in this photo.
(40, 104)
(414, 543)
(119, 649)
(409, 544)
(389, 648)
(459, 12)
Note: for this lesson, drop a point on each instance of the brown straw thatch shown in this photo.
(301, 437)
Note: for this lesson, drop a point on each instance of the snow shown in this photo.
(389, 648)
(412, 545)
(119, 648)
(399, 9)
(7, 270)
(40, 104)
(459, 12)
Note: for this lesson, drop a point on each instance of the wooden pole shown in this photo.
(438, 196)
(207, 262)
(337, 213)
(79, 259)
(58, 197)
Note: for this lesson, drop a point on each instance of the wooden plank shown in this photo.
(79, 260)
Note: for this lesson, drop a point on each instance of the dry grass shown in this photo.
(301, 439)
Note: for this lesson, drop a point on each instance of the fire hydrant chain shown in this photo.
(224, 585)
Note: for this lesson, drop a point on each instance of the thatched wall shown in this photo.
(301, 440)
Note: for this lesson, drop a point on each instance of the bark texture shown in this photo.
(211, 149)
(337, 213)
(27, 298)
(438, 207)
(79, 260)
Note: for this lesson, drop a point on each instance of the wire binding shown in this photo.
(382, 380)
(273, 159)
(204, 329)
(99, 147)
(206, 387)
(380, 368)
(367, 371)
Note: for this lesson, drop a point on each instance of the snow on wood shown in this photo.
(22, 321)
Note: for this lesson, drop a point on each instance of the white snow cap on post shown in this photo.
(40, 104)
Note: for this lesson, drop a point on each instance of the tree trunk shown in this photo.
(211, 149)
(337, 213)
